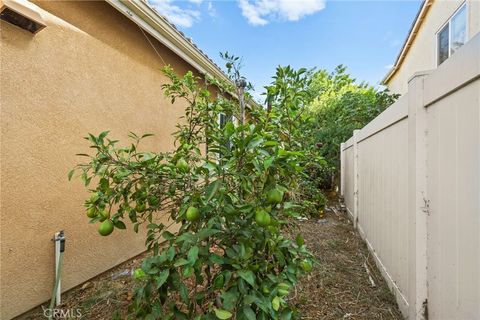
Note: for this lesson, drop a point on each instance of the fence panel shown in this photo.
(383, 221)
(349, 179)
(454, 212)
(413, 190)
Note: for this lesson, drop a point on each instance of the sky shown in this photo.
(366, 36)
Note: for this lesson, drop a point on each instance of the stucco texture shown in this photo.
(91, 69)
(422, 55)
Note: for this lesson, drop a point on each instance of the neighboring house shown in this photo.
(74, 67)
(439, 30)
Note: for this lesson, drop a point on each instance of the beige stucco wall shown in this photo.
(89, 70)
(422, 54)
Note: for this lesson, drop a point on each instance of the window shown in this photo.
(453, 35)
(458, 29)
(443, 44)
(223, 119)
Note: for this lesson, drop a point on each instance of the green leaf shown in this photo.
(270, 143)
(249, 313)
(230, 298)
(268, 162)
(212, 189)
(120, 225)
(85, 178)
(276, 303)
(171, 253)
(181, 262)
(187, 237)
(286, 315)
(103, 135)
(147, 156)
(219, 281)
(188, 271)
(162, 278)
(254, 143)
(192, 255)
(299, 240)
(223, 314)
(215, 258)
(70, 174)
(205, 233)
(210, 166)
(167, 235)
(229, 129)
(248, 276)
(184, 293)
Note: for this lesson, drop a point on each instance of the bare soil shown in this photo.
(339, 287)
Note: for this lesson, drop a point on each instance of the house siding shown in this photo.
(91, 69)
(422, 54)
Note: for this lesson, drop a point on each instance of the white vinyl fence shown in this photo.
(411, 184)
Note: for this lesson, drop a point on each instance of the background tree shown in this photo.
(339, 105)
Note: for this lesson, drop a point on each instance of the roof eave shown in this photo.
(409, 40)
(151, 21)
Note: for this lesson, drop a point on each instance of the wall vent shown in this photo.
(21, 15)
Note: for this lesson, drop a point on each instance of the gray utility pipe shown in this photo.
(59, 250)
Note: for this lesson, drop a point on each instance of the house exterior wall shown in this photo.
(422, 55)
(91, 69)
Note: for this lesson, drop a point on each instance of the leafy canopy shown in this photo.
(340, 105)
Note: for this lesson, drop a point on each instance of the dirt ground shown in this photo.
(339, 287)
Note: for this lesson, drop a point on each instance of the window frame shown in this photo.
(449, 23)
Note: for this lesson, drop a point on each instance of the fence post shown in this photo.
(417, 194)
(342, 169)
(355, 178)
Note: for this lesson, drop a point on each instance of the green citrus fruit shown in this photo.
(104, 215)
(92, 212)
(139, 274)
(182, 165)
(106, 227)
(192, 214)
(262, 218)
(274, 196)
(94, 197)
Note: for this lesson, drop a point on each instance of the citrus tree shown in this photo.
(289, 97)
(229, 188)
